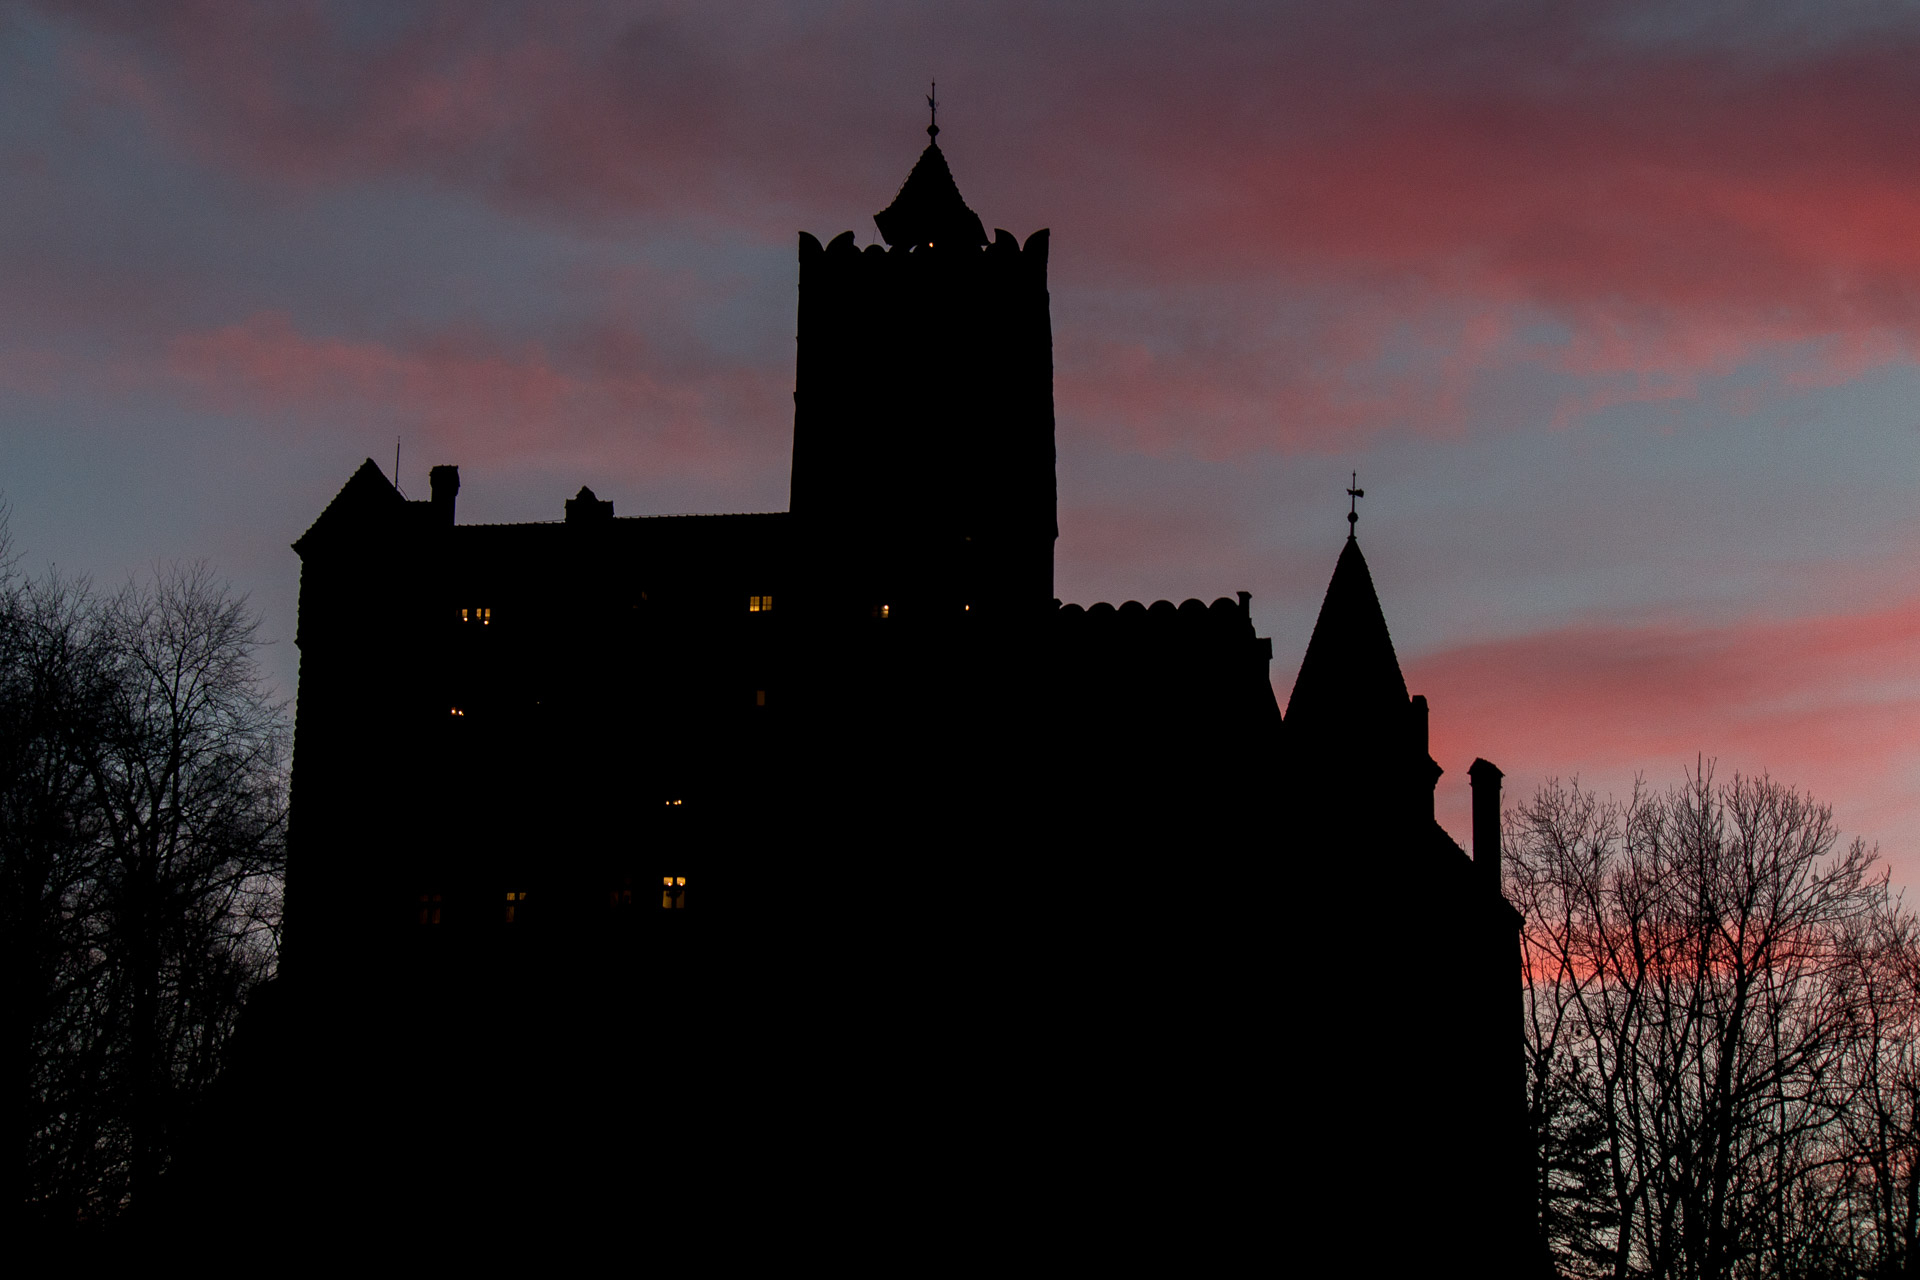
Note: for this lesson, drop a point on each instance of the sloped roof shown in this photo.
(1350, 676)
(366, 493)
(929, 209)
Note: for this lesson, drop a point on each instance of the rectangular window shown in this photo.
(516, 903)
(759, 604)
(673, 892)
(482, 616)
(429, 908)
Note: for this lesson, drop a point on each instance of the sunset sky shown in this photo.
(1615, 308)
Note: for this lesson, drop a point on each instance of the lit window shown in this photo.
(759, 604)
(881, 611)
(429, 908)
(482, 616)
(516, 902)
(673, 892)
(759, 697)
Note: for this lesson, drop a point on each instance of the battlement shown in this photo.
(1223, 615)
(841, 258)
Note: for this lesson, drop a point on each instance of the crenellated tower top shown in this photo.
(923, 460)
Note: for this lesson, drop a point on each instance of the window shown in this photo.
(429, 908)
(620, 899)
(482, 616)
(881, 611)
(673, 892)
(516, 903)
(759, 697)
(759, 604)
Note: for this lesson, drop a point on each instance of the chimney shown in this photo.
(1427, 770)
(446, 487)
(1486, 819)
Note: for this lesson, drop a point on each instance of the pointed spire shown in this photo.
(1350, 682)
(929, 209)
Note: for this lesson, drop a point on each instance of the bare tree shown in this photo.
(142, 820)
(1696, 1024)
(190, 790)
(50, 713)
(1877, 1181)
(1583, 1191)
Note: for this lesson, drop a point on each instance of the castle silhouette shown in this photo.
(687, 861)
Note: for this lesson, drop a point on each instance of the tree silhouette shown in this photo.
(142, 818)
(1714, 987)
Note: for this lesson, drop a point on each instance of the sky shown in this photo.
(1613, 307)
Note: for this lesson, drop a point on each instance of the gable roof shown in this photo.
(367, 497)
(929, 209)
(1350, 676)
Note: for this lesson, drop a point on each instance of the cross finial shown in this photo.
(933, 110)
(1353, 503)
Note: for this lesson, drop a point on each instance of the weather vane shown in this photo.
(933, 111)
(1353, 503)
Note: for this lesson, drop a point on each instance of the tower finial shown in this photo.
(1353, 503)
(933, 110)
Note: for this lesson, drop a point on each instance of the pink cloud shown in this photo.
(1674, 209)
(1675, 214)
(1317, 384)
(464, 391)
(1829, 703)
(562, 106)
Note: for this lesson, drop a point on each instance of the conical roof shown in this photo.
(1350, 680)
(929, 209)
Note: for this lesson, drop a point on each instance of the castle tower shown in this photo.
(923, 461)
(1431, 937)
